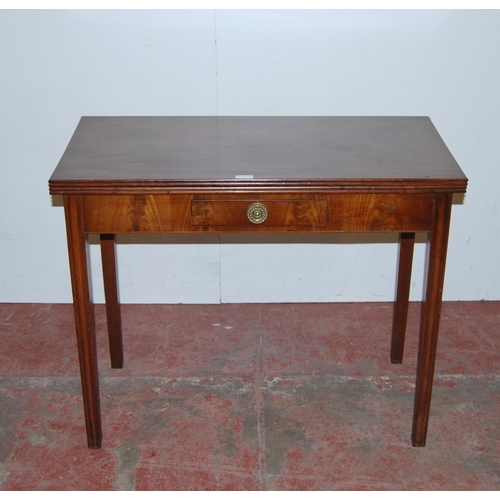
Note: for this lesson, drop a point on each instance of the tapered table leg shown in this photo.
(84, 317)
(108, 254)
(406, 244)
(431, 314)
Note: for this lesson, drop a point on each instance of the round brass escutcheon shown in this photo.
(257, 213)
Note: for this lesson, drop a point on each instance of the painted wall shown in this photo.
(59, 65)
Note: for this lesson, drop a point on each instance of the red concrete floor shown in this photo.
(249, 397)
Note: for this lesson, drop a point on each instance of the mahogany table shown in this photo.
(256, 175)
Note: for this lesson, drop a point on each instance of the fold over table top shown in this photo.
(241, 154)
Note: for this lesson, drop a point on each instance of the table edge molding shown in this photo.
(400, 185)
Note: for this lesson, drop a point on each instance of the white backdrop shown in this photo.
(59, 65)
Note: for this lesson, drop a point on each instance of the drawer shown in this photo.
(268, 213)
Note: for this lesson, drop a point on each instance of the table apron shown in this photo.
(227, 213)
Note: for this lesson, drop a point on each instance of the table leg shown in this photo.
(431, 313)
(406, 244)
(84, 317)
(109, 271)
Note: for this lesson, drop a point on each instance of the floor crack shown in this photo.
(259, 410)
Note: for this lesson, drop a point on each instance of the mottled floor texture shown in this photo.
(249, 397)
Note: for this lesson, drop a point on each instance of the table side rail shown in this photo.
(227, 213)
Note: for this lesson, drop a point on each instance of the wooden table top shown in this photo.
(114, 154)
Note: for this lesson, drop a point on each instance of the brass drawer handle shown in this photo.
(257, 213)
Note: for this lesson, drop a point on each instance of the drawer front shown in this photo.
(237, 213)
(268, 213)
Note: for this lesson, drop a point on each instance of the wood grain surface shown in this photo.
(110, 154)
(180, 213)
